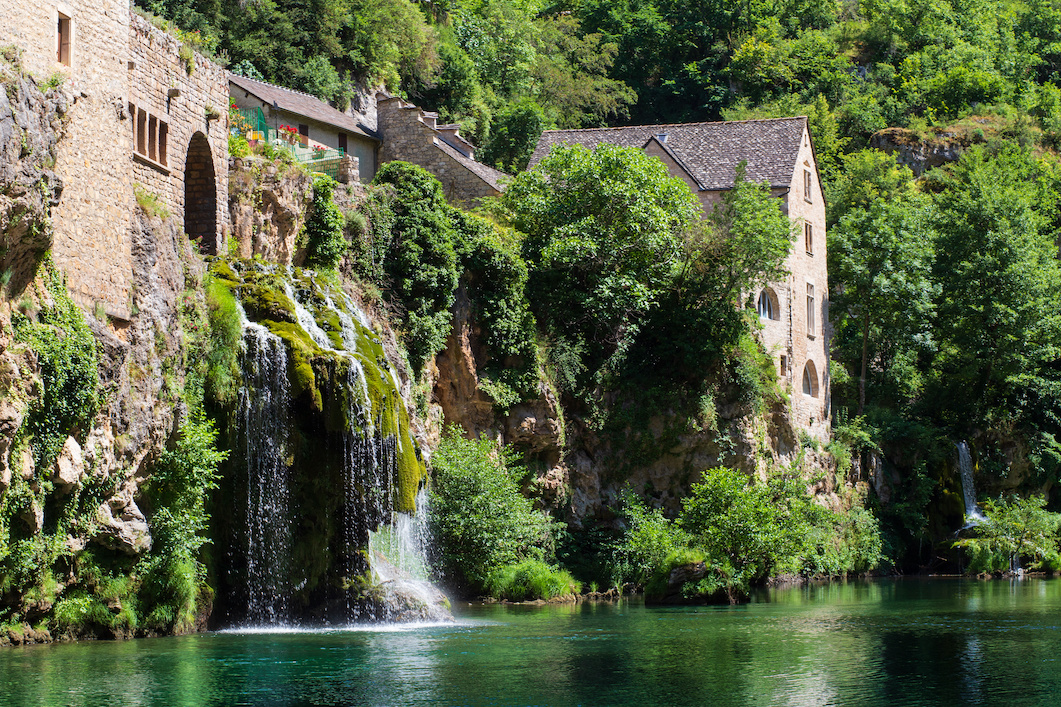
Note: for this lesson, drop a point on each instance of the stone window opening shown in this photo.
(63, 40)
(784, 365)
(150, 138)
(810, 380)
(767, 305)
(808, 237)
(807, 186)
(810, 309)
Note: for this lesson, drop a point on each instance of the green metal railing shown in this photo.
(255, 127)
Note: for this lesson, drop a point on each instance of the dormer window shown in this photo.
(806, 185)
(62, 41)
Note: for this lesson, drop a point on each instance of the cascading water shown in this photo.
(965, 466)
(263, 401)
(329, 461)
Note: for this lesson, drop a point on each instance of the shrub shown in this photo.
(420, 261)
(226, 331)
(325, 243)
(66, 353)
(1015, 530)
(479, 518)
(530, 580)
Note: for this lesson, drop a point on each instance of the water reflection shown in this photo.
(857, 643)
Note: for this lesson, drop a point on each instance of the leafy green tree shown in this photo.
(571, 75)
(743, 245)
(884, 295)
(1014, 530)
(420, 259)
(513, 135)
(603, 231)
(867, 177)
(1000, 323)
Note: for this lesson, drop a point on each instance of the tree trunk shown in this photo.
(865, 358)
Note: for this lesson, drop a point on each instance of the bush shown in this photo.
(530, 580)
(66, 353)
(649, 541)
(325, 242)
(420, 260)
(479, 519)
(1015, 530)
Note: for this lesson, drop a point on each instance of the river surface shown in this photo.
(895, 642)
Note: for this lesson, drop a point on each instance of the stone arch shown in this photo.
(200, 195)
(810, 380)
(768, 305)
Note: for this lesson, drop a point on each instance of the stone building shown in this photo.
(780, 152)
(411, 134)
(319, 123)
(147, 115)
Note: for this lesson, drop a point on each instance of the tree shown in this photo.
(742, 245)
(999, 313)
(513, 135)
(604, 230)
(883, 302)
(1015, 529)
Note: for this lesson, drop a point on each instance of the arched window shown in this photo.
(767, 306)
(810, 380)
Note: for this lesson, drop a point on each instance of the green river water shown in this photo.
(894, 642)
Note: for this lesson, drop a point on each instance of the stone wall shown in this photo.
(118, 63)
(406, 137)
(189, 96)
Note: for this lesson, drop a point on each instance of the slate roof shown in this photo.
(301, 104)
(488, 174)
(710, 152)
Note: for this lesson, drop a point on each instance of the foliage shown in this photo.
(602, 232)
(172, 576)
(226, 332)
(479, 519)
(325, 242)
(66, 354)
(745, 531)
(528, 580)
(497, 277)
(513, 134)
(1016, 530)
(420, 259)
(649, 540)
(881, 258)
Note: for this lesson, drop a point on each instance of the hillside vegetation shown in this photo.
(944, 281)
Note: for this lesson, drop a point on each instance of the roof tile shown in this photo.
(711, 151)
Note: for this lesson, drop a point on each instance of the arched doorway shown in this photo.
(200, 195)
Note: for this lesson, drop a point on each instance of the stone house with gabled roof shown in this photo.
(315, 119)
(780, 152)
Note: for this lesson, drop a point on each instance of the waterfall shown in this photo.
(965, 466)
(263, 402)
(332, 470)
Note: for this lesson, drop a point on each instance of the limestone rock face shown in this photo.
(122, 526)
(267, 206)
(919, 155)
(31, 123)
(69, 466)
